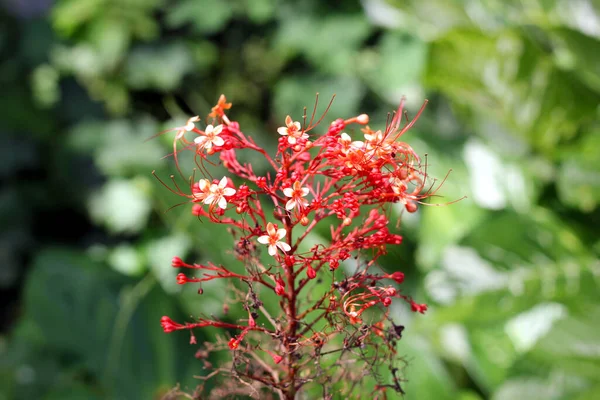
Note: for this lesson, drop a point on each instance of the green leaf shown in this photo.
(426, 375)
(578, 180)
(122, 206)
(573, 345)
(74, 302)
(196, 12)
(161, 68)
(395, 66)
(579, 53)
(337, 54)
(493, 75)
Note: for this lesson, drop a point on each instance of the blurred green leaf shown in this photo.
(494, 77)
(579, 53)
(65, 292)
(344, 33)
(195, 12)
(122, 206)
(394, 66)
(161, 68)
(426, 376)
(578, 180)
(291, 94)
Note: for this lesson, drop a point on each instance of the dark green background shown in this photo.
(510, 274)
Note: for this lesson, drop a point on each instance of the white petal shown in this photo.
(222, 203)
(284, 246)
(289, 192)
(290, 205)
(297, 125)
(200, 139)
(209, 199)
(189, 126)
(208, 130)
(345, 137)
(305, 191)
(263, 239)
(281, 233)
(283, 131)
(218, 141)
(272, 250)
(223, 182)
(218, 129)
(271, 229)
(291, 140)
(203, 184)
(229, 191)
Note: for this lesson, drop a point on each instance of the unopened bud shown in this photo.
(411, 207)
(181, 279)
(304, 221)
(177, 262)
(362, 119)
(397, 276)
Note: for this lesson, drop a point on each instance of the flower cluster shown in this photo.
(342, 179)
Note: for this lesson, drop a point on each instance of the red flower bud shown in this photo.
(197, 210)
(289, 260)
(280, 287)
(276, 358)
(310, 272)
(181, 278)
(169, 325)
(418, 307)
(397, 276)
(333, 264)
(177, 262)
(411, 207)
(387, 301)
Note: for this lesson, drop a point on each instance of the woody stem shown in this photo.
(291, 311)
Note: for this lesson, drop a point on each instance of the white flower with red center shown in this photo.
(210, 137)
(217, 193)
(293, 130)
(273, 239)
(203, 190)
(347, 144)
(188, 127)
(296, 194)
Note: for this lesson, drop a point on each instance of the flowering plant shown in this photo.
(316, 331)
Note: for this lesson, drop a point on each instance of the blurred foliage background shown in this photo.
(511, 273)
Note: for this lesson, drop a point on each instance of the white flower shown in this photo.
(218, 192)
(210, 136)
(204, 190)
(273, 238)
(347, 144)
(188, 127)
(296, 192)
(293, 130)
